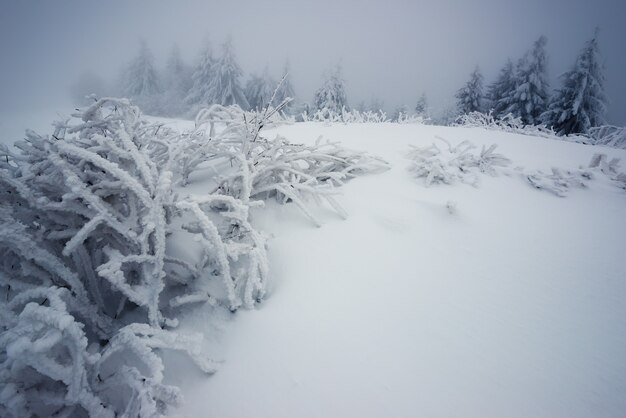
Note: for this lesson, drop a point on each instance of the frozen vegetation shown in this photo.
(100, 251)
(413, 264)
(125, 238)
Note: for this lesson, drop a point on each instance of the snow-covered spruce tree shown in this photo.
(501, 90)
(225, 88)
(286, 91)
(140, 80)
(470, 96)
(581, 103)
(259, 90)
(421, 107)
(332, 95)
(199, 94)
(530, 97)
(176, 83)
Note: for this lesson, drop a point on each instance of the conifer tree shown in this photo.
(225, 87)
(177, 82)
(581, 103)
(421, 107)
(530, 97)
(259, 90)
(140, 81)
(501, 89)
(332, 94)
(199, 94)
(470, 96)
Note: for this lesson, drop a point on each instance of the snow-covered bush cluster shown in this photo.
(608, 135)
(558, 181)
(90, 273)
(355, 116)
(509, 123)
(261, 169)
(611, 136)
(344, 116)
(449, 164)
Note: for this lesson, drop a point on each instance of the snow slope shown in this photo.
(511, 306)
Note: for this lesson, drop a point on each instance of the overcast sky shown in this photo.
(393, 50)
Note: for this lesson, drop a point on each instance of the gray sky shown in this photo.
(392, 49)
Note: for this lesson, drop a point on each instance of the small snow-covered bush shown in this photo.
(559, 181)
(448, 164)
(294, 172)
(611, 136)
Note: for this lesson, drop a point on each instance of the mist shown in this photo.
(393, 50)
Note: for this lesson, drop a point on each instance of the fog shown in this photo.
(392, 50)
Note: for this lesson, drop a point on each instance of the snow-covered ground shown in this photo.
(512, 305)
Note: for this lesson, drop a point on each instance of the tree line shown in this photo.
(521, 90)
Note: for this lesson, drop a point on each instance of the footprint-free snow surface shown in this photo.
(442, 301)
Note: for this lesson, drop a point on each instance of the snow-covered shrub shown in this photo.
(488, 161)
(294, 172)
(85, 215)
(609, 169)
(559, 181)
(345, 116)
(232, 250)
(264, 168)
(509, 123)
(408, 118)
(611, 136)
(448, 164)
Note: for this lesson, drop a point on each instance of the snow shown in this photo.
(509, 305)
(452, 300)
